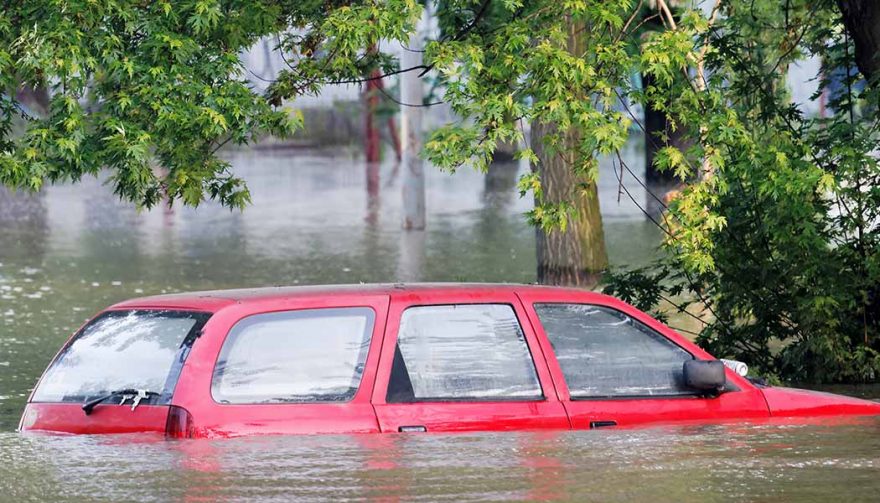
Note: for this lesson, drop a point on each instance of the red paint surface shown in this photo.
(790, 402)
(747, 402)
(112, 418)
(367, 412)
(465, 416)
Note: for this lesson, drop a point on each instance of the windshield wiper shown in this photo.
(135, 395)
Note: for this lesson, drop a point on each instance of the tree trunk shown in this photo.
(862, 20)
(372, 141)
(576, 256)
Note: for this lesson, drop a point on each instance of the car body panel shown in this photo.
(791, 402)
(472, 415)
(212, 419)
(105, 418)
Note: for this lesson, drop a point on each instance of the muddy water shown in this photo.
(73, 250)
(711, 463)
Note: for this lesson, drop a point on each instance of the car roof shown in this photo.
(213, 300)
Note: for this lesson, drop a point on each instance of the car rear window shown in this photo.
(138, 349)
(314, 355)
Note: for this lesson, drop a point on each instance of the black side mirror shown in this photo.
(704, 375)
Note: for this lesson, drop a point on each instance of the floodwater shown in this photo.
(72, 250)
(820, 463)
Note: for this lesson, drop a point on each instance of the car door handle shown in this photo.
(602, 424)
(412, 429)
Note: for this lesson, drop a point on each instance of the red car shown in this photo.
(392, 358)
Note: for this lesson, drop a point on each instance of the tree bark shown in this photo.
(862, 21)
(576, 256)
(372, 140)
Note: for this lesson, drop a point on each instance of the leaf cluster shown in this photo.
(777, 227)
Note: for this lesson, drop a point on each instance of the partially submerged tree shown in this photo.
(573, 254)
(556, 66)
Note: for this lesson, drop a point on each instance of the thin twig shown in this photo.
(414, 105)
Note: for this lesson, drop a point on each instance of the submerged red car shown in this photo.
(392, 358)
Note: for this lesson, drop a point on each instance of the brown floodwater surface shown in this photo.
(818, 463)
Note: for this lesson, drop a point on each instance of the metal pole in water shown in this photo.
(411, 136)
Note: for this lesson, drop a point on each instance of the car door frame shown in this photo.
(465, 415)
(213, 419)
(741, 400)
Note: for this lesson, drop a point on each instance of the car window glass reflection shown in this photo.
(604, 352)
(462, 352)
(294, 356)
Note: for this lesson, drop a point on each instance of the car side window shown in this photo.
(605, 353)
(466, 352)
(314, 355)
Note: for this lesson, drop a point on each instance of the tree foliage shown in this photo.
(778, 236)
(522, 68)
(776, 229)
(151, 90)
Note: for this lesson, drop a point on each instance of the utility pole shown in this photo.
(411, 93)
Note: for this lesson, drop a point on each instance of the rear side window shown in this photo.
(605, 353)
(314, 355)
(121, 350)
(462, 353)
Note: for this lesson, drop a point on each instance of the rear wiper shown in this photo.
(135, 395)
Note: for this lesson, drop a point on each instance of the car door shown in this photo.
(298, 365)
(616, 366)
(463, 361)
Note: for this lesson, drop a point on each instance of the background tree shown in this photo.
(151, 90)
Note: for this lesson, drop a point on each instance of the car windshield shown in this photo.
(122, 350)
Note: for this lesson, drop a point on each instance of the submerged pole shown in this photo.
(411, 136)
